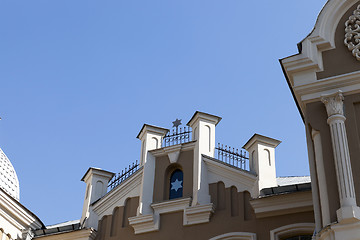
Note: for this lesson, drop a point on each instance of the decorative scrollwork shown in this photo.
(352, 33)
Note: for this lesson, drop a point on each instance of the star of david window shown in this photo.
(176, 184)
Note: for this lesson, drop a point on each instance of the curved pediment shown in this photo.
(324, 63)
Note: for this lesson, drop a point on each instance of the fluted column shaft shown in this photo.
(336, 121)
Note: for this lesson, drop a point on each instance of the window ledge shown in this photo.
(174, 205)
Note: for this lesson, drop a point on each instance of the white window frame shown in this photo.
(297, 228)
(235, 236)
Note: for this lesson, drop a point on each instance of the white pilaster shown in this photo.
(320, 169)
(262, 160)
(151, 138)
(336, 121)
(203, 127)
(96, 181)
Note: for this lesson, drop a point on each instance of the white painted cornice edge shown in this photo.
(88, 233)
(348, 83)
(320, 39)
(143, 223)
(174, 148)
(239, 177)
(117, 193)
(175, 205)
(169, 206)
(20, 217)
(282, 203)
(198, 214)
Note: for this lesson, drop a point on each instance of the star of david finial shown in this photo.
(176, 123)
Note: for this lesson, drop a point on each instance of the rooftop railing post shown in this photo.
(229, 156)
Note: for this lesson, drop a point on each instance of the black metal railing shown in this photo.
(177, 136)
(125, 173)
(232, 156)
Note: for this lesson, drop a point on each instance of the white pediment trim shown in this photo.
(129, 188)
(230, 176)
(13, 211)
(301, 68)
(320, 39)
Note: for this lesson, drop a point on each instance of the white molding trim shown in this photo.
(320, 39)
(301, 68)
(348, 83)
(230, 176)
(282, 204)
(174, 148)
(191, 215)
(170, 206)
(198, 214)
(297, 228)
(144, 223)
(82, 234)
(235, 236)
(16, 215)
(129, 188)
(175, 205)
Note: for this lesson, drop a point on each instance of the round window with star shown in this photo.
(176, 184)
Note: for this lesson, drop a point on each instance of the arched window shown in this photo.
(176, 184)
(297, 231)
(300, 237)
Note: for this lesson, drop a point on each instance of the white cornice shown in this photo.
(201, 116)
(174, 148)
(151, 129)
(320, 39)
(143, 223)
(348, 83)
(231, 176)
(16, 214)
(175, 205)
(282, 204)
(261, 139)
(121, 191)
(98, 172)
(88, 234)
(198, 214)
(191, 215)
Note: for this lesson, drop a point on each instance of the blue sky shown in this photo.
(78, 80)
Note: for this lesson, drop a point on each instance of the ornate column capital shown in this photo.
(334, 103)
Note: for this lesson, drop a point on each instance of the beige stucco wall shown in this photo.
(233, 214)
(163, 170)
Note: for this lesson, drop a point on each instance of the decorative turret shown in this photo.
(96, 187)
(262, 159)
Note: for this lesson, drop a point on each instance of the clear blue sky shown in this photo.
(78, 80)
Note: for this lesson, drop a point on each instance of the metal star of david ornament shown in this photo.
(176, 123)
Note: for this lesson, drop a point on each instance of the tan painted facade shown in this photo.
(233, 213)
(223, 200)
(163, 170)
(324, 79)
(237, 208)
